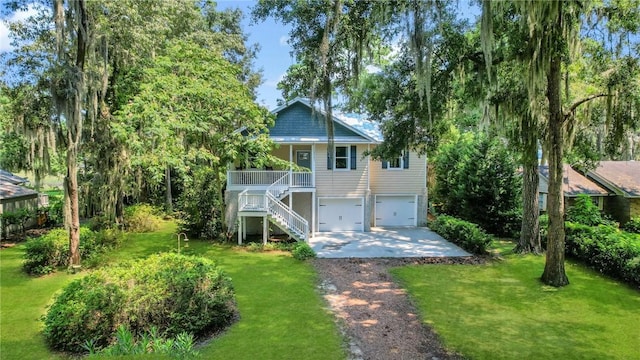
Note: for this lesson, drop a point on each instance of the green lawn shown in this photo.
(502, 311)
(281, 314)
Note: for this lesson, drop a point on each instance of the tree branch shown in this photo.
(575, 105)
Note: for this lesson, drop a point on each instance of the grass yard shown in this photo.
(281, 314)
(502, 311)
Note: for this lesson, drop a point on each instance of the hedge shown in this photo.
(46, 253)
(467, 235)
(170, 293)
(606, 249)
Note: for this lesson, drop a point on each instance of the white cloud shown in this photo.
(5, 42)
(274, 82)
(284, 40)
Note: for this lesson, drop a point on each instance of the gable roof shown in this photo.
(10, 191)
(298, 122)
(621, 177)
(8, 177)
(574, 183)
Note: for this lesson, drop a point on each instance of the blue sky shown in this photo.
(274, 57)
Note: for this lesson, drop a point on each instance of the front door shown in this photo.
(303, 158)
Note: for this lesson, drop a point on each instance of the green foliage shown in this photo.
(632, 226)
(142, 218)
(180, 347)
(302, 251)
(606, 249)
(171, 292)
(50, 251)
(467, 235)
(202, 209)
(18, 217)
(86, 309)
(585, 212)
(476, 180)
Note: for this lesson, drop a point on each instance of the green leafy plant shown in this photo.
(632, 226)
(50, 251)
(142, 218)
(605, 248)
(170, 292)
(302, 251)
(476, 180)
(585, 212)
(467, 235)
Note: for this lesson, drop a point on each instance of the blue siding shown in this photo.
(297, 120)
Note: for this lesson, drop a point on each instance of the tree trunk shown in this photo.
(169, 197)
(554, 272)
(71, 189)
(530, 229)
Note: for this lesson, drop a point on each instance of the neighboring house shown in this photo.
(7, 177)
(15, 197)
(622, 178)
(573, 184)
(339, 191)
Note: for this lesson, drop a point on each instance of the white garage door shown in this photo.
(340, 214)
(396, 210)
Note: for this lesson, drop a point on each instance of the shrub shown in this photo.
(302, 251)
(87, 309)
(477, 180)
(180, 347)
(142, 218)
(468, 236)
(632, 226)
(46, 253)
(585, 212)
(173, 293)
(606, 249)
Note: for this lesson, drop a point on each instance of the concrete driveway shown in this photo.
(384, 242)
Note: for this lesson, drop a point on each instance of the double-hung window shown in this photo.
(343, 158)
(397, 163)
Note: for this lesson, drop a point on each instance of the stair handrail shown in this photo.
(290, 218)
(282, 184)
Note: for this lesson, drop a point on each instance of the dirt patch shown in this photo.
(374, 313)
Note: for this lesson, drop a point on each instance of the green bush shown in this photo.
(126, 343)
(632, 226)
(142, 218)
(18, 217)
(46, 253)
(585, 212)
(606, 249)
(302, 251)
(468, 236)
(173, 293)
(477, 180)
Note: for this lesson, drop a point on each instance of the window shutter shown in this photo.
(405, 159)
(353, 157)
(329, 160)
(385, 164)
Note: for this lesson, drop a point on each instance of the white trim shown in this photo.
(348, 157)
(415, 206)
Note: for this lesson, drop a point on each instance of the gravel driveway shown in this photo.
(374, 313)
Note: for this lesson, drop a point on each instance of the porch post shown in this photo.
(313, 165)
(239, 230)
(290, 167)
(313, 214)
(265, 229)
(244, 229)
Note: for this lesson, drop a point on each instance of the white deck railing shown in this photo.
(268, 177)
(252, 201)
(289, 218)
(269, 201)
